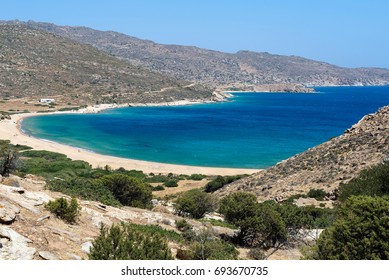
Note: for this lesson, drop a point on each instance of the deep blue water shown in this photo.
(254, 130)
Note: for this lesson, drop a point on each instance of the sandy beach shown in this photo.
(10, 129)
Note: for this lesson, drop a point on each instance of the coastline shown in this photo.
(11, 130)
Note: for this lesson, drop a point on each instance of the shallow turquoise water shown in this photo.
(254, 130)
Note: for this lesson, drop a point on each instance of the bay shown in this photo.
(253, 130)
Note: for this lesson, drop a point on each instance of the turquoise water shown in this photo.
(254, 130)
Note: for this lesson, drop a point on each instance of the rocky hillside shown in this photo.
(38, 64)
(218, 68)
(29, 231)
(324, 166)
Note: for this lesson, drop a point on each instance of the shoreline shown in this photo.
(11, 130)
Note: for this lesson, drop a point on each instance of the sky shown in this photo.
(348, 33)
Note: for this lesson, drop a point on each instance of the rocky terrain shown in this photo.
(36, 64)
(29, 231)
(325, 166)
(217, 68)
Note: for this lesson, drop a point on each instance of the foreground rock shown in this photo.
(325, 166)
(15, 246)
(8, 212)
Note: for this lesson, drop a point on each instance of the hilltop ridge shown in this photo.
(215, 68)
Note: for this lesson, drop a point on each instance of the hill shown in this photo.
(214, 68)
(325, 166)
(37, 64)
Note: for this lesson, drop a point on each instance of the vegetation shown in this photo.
(218, 223)
(360, 232)
(130, 242)
(318, 194)
(171, 183)
(9, 158)
(183, 225)
(84, 188)
(221, 181)
(194, 203)
(372, 182)
(128, 191)
(269, 224)
(63, 209)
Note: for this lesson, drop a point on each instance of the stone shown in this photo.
(14, 245)
(8, 212)
(46, 255)
(86, 246)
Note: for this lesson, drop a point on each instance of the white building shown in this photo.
(47, 100)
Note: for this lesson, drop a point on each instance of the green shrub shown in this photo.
(373, 182)
(9, 158)
(183, 225)
(158, 188)
(171, 183)
(63, 209)
(88, 189)
(220, 182)
(128, 242)
(360, 231)
(127, 190)
(318, 194)
(197, 177)
(207, 247)
(195, 203)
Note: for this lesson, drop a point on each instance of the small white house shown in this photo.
(47, 100)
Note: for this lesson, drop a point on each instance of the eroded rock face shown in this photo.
(14, 246)
(8, 212)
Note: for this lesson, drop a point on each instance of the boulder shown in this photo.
(8, 212)
(86, 246)
(46, 255)
(14, 245)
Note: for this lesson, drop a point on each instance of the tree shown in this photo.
(195, 203)
(260, 224)
(129, 191)
(9, 158)
(360, 231)
(127, 242)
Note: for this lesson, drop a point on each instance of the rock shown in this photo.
(74, 257)
(86, 246)
(8, 212)
(46, 255)
(14, 245)
(11, 181)
(43, 218)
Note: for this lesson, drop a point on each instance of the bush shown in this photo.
(171, 183)
(360, 231)
(220, 182)
(128, 191)
(205, 246)
(62, 209)
(318, 194)
(183, 225)
(129, 242)
(195, 203)
(88, 189)
(373, 182)
(197, 177)
(158, 188)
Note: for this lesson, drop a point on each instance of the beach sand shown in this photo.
(10, 129)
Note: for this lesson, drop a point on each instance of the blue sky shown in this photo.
(342, 32)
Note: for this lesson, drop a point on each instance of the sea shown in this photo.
(251, 130)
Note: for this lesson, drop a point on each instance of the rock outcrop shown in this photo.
(325, 166)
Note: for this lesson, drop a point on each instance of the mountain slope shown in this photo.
(217, 68)
(39, 64)
(325, 166)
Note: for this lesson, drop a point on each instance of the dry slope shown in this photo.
(38, 64)
(324, 166)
